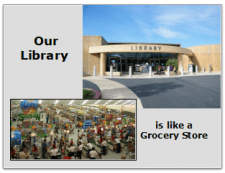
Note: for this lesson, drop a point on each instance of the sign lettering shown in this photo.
(146, 48)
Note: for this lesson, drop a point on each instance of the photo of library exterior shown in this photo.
(100, 54)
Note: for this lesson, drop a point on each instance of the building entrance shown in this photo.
(122, 61)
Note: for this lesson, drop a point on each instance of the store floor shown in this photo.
(110, 155)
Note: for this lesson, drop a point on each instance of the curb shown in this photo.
(97, 94)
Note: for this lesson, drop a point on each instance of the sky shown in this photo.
(188, 25)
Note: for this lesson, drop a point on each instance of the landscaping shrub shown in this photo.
(86, 94)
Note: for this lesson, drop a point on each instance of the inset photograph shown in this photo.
(73, 130)
(165, 56)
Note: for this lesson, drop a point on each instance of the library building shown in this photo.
(99, 56)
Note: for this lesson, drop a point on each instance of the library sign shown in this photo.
(146, 48)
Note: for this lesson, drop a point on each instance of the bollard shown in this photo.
(182, 71)
(130, 71)
(111, 71)
(150, 71)
(168, 71)
(209, 68)
(192, 70)
(196, 69)
(94, 71)
(203, 69)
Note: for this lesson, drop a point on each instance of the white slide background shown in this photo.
(56, 79)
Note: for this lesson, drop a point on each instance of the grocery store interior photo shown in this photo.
(73, 129)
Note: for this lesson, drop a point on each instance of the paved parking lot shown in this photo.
(182, 92)
(89, 84)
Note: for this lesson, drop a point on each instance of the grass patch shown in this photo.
(86, 94)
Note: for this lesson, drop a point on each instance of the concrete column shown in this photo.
(150, 71)
(180, 61)
(168, 71)
(94, 73)
(111, 71)
(182, 70)
(130, 71)
(209, 68)
(102, 64)
(196, 69)
(192, 70)
(203, 69)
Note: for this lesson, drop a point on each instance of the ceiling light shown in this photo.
(97, 102)
(85, 102)
(127, 102)
(108, 102)
(118, 102)
(132, 103)
(71, 102)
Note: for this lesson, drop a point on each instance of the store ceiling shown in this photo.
(80, 102)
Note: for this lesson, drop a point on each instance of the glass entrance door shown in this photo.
(156, 63)
(152, 63)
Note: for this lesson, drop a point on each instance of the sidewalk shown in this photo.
(146, 75)
(113, 90)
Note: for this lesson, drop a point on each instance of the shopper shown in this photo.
(24, 145)
(45, 138)
(126, 135)
(112, 137)
(67, 157)
(35, 149)
(12, 152)
(23, 154)
(79, 149)
(71, 150)
(89, 146)
(54, 153)
(47, 118)
(118, 145)
(44, 149)
(63, 148)
(101, 140)
(57, 144)
(104, 145)
(29, 137)
(93, 153)
(80, 140)
(61, 142)
(99, 156)
(71, 141)
(53, 144)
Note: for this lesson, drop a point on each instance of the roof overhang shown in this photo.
(139, 48)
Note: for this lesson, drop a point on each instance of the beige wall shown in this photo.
(203, 56)
(91, 60)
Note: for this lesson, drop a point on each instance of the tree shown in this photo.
(173, 63)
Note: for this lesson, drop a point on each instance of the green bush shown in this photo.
(173, 63)
(86, 94)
